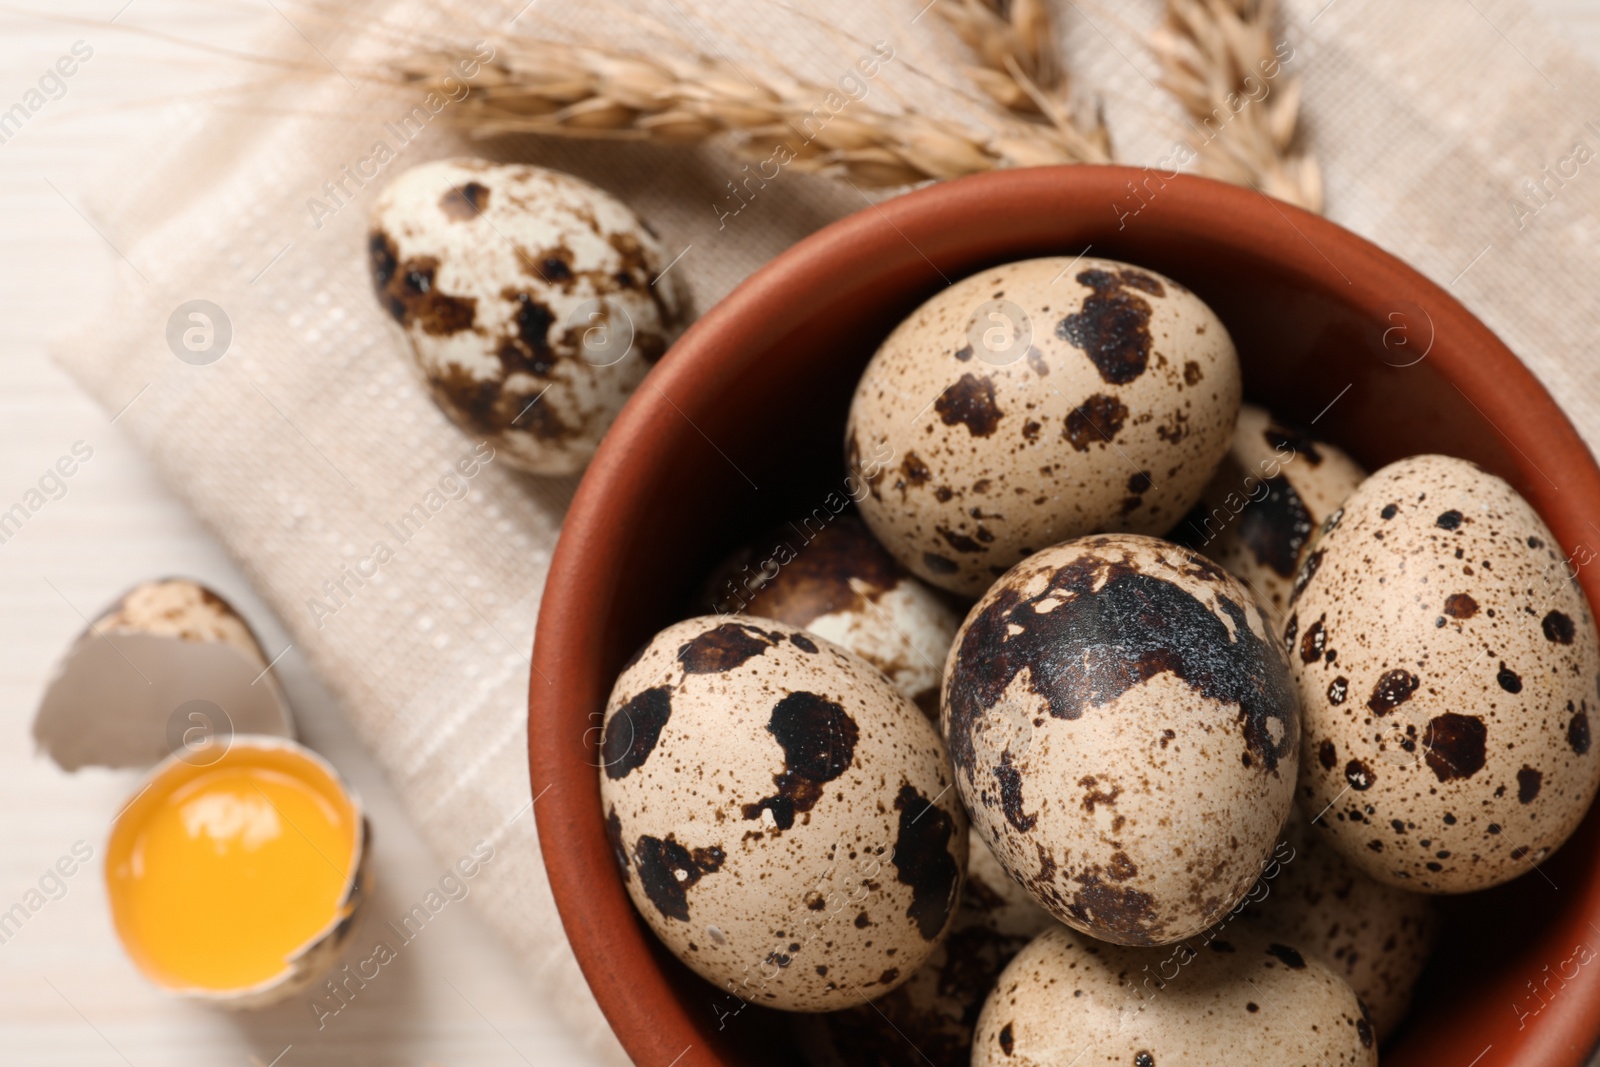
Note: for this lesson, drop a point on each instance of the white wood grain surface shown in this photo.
(67, 994)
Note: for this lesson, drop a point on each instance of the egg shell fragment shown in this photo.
(1445, 657)
(1124, 733)
(1038, 401)
(931, 1016)
(833, 579)
(1235, 1000)
(1374, 936)
(200, 678)
(781, 814)
(532, 302)
(1259, 513)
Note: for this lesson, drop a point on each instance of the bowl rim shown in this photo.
(612, 948)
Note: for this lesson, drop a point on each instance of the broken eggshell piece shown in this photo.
(170, 667)
(237, 882)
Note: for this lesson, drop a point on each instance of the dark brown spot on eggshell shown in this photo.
(530, 349)
(631, 733)
(1308, 571)
(1297, 443)
(1010, 783)
(1509, 680)
(1113, 325)
(1558, 628)
(1578, 732)
(1275, 527)
(1449, 520)
(408, 290)
(1112, 627)
(1313, 642)
(1359, 775)
(914, 471)
(818, 739)
(1328, 755)
(1394, 687)
(463, 202)
(1460, 606)
(1006, 1040)
(619, 850)
(1364, 1026)
(1289, 957)
(923, 861)
(1528, 783)
(939, 564)
(667, 870)
(1122, 911)
(1097, 420)
(970, 401)
(1455, 745)
(723, 648)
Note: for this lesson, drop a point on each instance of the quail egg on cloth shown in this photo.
(1124, 733)
(1038, 401)
(836, 581)
(931, 1016)
(532, 301)
(1272, 491)
(781, 814)
(1445, 657)
(1066, 999)
(1374, 936)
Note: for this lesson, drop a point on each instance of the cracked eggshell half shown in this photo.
(532, 301)
(1259, 513)
(1125, 735)
(1235, 999)
(931, 1016)
(1445, 656)
(1038, 401)
(170, 667)
(837, 582)
(781, 815)
(235, 880)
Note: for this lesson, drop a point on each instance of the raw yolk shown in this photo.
(229, 875)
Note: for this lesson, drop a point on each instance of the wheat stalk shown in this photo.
(1219, 60)
(538, 86)
(1019, 67)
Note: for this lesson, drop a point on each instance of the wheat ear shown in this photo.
(541, 87)
(1019, 67)
(1219, 60)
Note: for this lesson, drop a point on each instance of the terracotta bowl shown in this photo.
(743, 423)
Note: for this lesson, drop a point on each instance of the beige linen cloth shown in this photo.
(1433, 120)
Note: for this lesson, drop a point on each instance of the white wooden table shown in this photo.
(67, 994)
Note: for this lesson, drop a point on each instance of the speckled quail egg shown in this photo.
(532, 302)
(834, 579)
(1039, 401)
(931, 1016)
(1066, 999)
(1272, 491)
(1374, 936)
(1124, 733)
(1445, 657)
(781, 814)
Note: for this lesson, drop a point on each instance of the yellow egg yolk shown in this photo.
(231, 869)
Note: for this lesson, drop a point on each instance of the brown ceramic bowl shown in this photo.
(743, 422)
